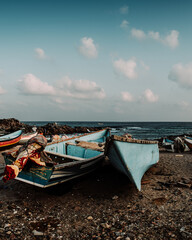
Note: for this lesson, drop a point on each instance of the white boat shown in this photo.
(25, 137)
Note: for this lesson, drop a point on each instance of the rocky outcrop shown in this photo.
(12, 124)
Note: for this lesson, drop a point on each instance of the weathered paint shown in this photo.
(80, 162)
(132, 158)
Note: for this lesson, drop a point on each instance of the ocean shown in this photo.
(140, 130)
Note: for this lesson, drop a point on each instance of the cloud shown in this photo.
(81, 89)
(88, 48)
(124, 24)
(126, 96)
(58, 100)
(170, 40)
(124, 9)
(149, 96)
(138, 34)
(145, 66)
(30, 84)
(154, 35)
(65, 88)
(2, 91)
(126, 68)
(182, 74)
(40, 53)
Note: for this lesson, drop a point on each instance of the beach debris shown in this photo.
(159, 201)
(176, 184)
(144, 182)
(37, 233)
(115, 197)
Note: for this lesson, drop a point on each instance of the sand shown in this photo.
(103, 205)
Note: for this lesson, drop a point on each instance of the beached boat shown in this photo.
(25, 137)
(71, 158)
(176, 145)
(132, 157)
(168, 145)
(10, 139)
(188, 142)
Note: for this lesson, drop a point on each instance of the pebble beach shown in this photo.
(103, 205)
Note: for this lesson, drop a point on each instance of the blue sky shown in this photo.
(111, 60)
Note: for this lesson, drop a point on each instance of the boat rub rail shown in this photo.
(125, 139)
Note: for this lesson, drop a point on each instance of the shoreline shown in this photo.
(103, 205)
(52, 128)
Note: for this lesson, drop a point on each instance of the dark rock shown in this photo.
(11, 124)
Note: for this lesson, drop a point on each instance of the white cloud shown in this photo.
(170, 40)
(30, 84)
(124, 24)
(2, 91)
(88, 48)
(145, 66)
(126, 96)
(81, 89)
(149, 96)
(40, 53)
(138, 34)
(126, 68)
(58, 100)
(124, 9)
(154, 35)
(182, 74)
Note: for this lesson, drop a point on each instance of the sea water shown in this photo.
(140, 130)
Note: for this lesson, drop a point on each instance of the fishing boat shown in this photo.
(131, 156)
(188, 142)
(10, 139)
(176, 145)
(168, 144)
(70, 158)
(25, 137)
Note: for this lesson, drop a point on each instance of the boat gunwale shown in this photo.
(130, 140)
(79, 136)
(10, 139)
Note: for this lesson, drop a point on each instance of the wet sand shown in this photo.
(103, 205)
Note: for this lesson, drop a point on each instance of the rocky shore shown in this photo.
(12, 124)
(103, 205)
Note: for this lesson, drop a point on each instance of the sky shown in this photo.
(109, 60)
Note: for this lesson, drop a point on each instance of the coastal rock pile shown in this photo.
(12, 124)
(54, 128)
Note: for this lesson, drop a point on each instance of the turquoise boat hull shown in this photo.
(132, 157)
(69, 161)
(98, 136)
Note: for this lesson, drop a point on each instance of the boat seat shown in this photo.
(91, 145)
(74, 149)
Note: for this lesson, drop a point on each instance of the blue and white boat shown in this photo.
(188, 142)
(172, 145)
(132, 157)
(168, 145)
(10, 139)
(70, 158)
